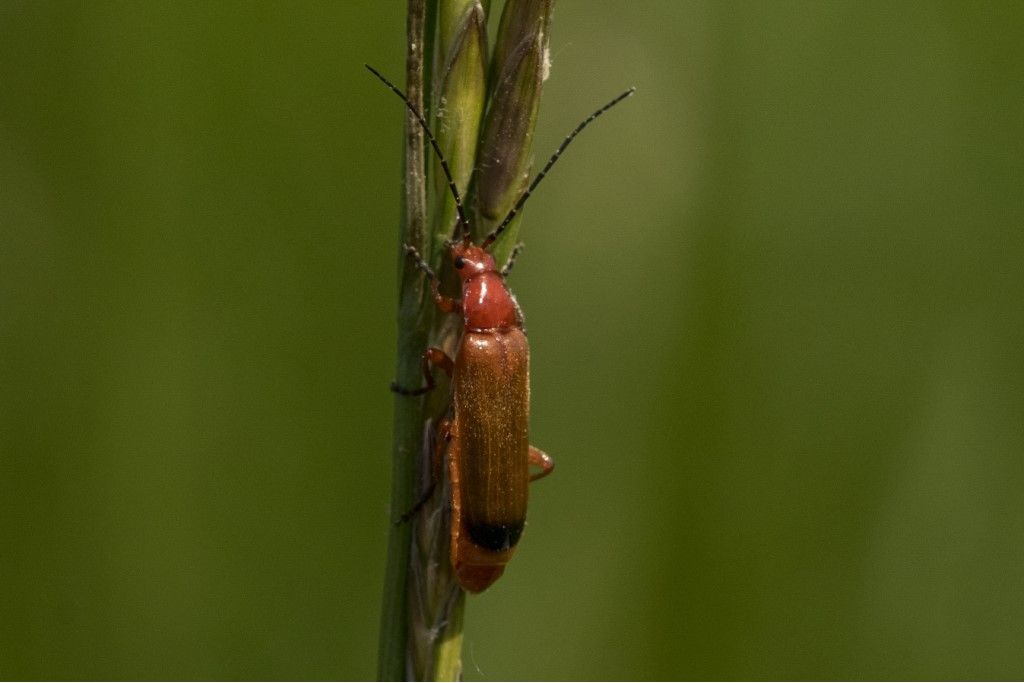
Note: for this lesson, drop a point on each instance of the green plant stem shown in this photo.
(421, 623)
(408, 418)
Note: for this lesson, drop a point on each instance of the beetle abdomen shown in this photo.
(492, 414)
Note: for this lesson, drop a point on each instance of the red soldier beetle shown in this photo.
(488, 449)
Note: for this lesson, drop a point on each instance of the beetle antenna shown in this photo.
(489, 240)
(433, 143)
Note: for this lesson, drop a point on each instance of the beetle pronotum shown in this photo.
(488, 448)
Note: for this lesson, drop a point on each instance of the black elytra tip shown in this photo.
(496, 537)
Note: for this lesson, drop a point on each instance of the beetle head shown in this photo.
(470, 260)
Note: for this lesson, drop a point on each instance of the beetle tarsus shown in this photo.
(405, 391)
(419, 261)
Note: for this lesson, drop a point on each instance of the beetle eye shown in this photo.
(459, 262)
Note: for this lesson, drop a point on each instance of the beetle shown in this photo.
(488, 449)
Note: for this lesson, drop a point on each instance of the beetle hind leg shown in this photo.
(444, 435)
(541, 460)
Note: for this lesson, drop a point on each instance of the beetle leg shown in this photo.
(542, 460)
(445, 303)
(444, 435)
(507, 268)
(432, 356)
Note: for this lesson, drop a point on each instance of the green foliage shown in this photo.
(773, 304)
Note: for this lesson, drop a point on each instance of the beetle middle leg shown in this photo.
(432, 356)
(541, 460)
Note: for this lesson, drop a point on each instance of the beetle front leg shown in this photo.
(507, 268)
(432, 356)
(541, 460)
(445, 303)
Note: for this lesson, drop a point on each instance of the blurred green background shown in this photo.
(775, 303)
